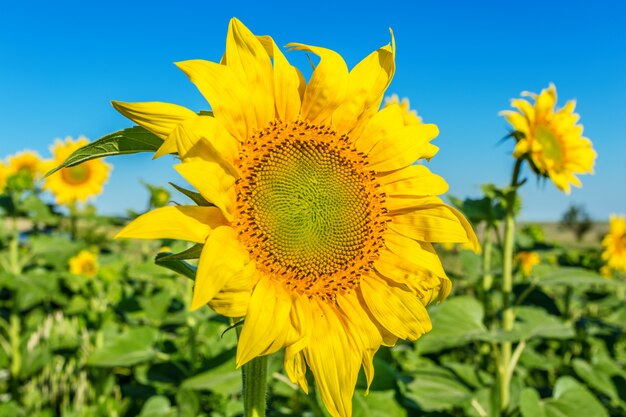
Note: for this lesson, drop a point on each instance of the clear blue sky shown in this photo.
(458, 62)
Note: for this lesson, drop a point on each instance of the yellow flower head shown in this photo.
(410, 116)
(85, 264)
(614, 244)
(26, 163)
(527, 261)
(77, 183)
(551, 139)
(322, 227)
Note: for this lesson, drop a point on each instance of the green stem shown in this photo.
(487, 274)
(508, 316)
(73, 221)
(254, 379)
(14, 248)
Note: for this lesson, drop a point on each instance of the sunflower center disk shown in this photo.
(308, 208)
(76, 175)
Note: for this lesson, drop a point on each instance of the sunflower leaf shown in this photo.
(127, 141)
(178, 266)
(194, 196)
(191, 253)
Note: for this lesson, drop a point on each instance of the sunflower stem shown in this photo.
(254, 380)
(508, 317)
(487, 274)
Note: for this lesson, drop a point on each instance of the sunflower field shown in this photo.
(309, 263)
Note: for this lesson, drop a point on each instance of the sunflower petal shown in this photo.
(229, 98)
(397, 309)
(388, 120)
(334, 361)
(222, 258)
(421, 253)
(251, 63)
(401, 148)
(234, 297)
(287, 83)
(159, 118)
(214, 183)
(295, 366)
(190, 223)
(266, 322)
(367, 83)
(327, 87)
(413, 180)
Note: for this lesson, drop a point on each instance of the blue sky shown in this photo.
(459, 63)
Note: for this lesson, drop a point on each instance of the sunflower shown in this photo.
(321, 227)
(410, 116)
(25, 162)
(85, 263)
(527, 261)
(614, 244)
(77, 183)
(551, 140)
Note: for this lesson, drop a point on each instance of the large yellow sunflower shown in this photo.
(551, 139)
(28, 162)
(614, 244)
(77, 183)
(322, 226)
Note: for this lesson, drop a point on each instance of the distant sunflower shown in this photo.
(77, 183)
(614, 244)
(321, 231)
(551, 139)
(85, 263)
(26, 162)
(527, 261)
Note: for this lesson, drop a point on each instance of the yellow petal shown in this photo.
(251, 63)
(222, 258)
(287, 83)
(334, 360)
(546, 101)
(190, 223)
(266, 322)
(201, 129)
(367, 83)
(234, 297)
(159, 118)
(421, 253)
(397, 309)
(229, 98)
(212, 181)
(295, 366)
(411, 181)
(327, 87)
(526, 108)
(387, 120)
(401, 148)
(433, 221)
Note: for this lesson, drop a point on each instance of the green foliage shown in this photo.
(577, 219)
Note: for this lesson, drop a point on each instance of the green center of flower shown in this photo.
(75, 175)
(308, 208)
(550, 145)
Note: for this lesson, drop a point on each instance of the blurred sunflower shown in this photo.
(25, 162)
(77, 183)
(614, 244)
(551, 139)
(85, 264)
(527, 261)
(321, 231)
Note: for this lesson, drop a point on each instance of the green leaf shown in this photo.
(376, 404)
(193, 196)
(436, 389)
(224, 378)
(127, 141)
(158, 406)
(455, 323)
(128, 348)
(572, 399)
(536, 322)
(530, 404)
(605, 376)
(191, 253)
(178, 266)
